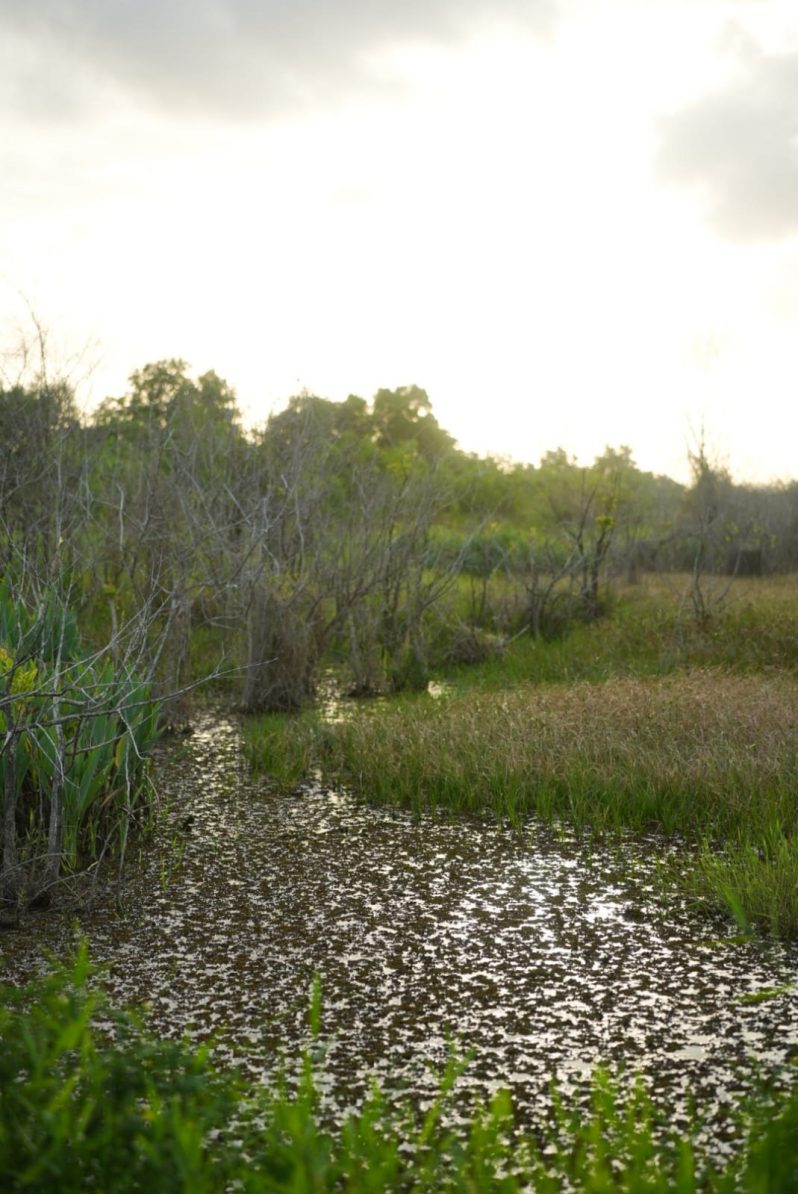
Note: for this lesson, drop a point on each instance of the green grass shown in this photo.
(702, 752)
(649, 630)
(756, 878)
(284, 746)
(114, 1108)
(640, 720)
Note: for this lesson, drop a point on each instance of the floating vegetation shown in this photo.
(544, 954)
(90, 1098)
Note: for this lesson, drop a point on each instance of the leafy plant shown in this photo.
(73, 753)
(113, 1108)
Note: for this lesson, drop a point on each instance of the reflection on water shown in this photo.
(543, 955)
(335, 706)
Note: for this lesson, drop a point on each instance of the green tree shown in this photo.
(404, 418)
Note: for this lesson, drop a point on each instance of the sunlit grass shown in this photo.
(707, 752)
(709, 755)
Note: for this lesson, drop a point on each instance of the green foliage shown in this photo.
(497, 549)
(47, 631)
(755, 876)
(76, 733)
(89, 1099)
(404, 417)
(162, 393)
(79, 1108)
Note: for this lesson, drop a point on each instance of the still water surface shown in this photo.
(543, 955)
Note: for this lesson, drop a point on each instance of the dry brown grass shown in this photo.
(692, 726)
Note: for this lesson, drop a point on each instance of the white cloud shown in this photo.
(226, 58)
(738, 146)
(490, 229)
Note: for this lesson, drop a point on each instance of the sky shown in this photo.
(573, 222)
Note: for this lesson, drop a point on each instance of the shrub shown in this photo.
(75, 735)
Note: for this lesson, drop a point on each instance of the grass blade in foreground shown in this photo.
(117, 1110)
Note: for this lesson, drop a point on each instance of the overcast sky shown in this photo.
(574, 222)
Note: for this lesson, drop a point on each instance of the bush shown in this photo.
(75, 735)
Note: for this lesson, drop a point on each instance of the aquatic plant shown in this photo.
(75, 730)
(756, 878)
(89, 1098)
(707, 754)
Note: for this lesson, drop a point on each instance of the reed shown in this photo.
(703, 752)
(75, 730)
(756, 879)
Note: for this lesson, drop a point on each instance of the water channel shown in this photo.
(542, 954)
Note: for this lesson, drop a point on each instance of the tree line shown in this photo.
(157, 542)
(338, 531)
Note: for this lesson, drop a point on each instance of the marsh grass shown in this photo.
(647, 630)
(756, 879)
(709, 755)
(89, 1099)
(284, 747)
(703, 752)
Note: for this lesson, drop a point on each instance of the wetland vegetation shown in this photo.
(518, 764)
(152, 1114)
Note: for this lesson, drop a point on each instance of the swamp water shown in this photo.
(543, 955)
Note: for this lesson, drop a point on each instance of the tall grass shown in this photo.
(112, 1108)
(75, 730)
(648, 630)
(755, 877)
(707, 754)
(704, 752)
